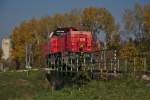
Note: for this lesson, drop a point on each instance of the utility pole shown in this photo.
(28, 58)
(105, 67)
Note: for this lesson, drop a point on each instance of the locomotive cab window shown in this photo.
(62, 31)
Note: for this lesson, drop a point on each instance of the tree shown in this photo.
(133, 21)
(128, 50)
(136, 22)
(97, 20)
(116, 39)
(27, 33)
(35, 32)
(147, 19)
(116, 42)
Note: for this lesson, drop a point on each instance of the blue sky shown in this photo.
(13, 12)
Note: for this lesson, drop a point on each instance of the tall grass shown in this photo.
(122, 89)
(17, 86)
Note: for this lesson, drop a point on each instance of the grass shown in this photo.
(16, 86)
(124, 89)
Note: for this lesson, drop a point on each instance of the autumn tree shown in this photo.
(71, 19)
(35, 32)
(133, 21)
(116, 41)
(147, 19)
(128, 50)
(136, 24)
(99, 20)
(27, 33)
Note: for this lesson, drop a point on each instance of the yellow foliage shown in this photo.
(128, 51)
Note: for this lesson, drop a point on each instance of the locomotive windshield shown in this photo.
(62, 31)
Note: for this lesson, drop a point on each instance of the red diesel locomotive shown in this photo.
(69, 48)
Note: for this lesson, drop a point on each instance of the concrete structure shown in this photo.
(6, 47)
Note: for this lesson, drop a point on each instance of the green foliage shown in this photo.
(116, 42)
(122, 89)
(136, 24)
(17, 86)
(81, 78)
(128, 51)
